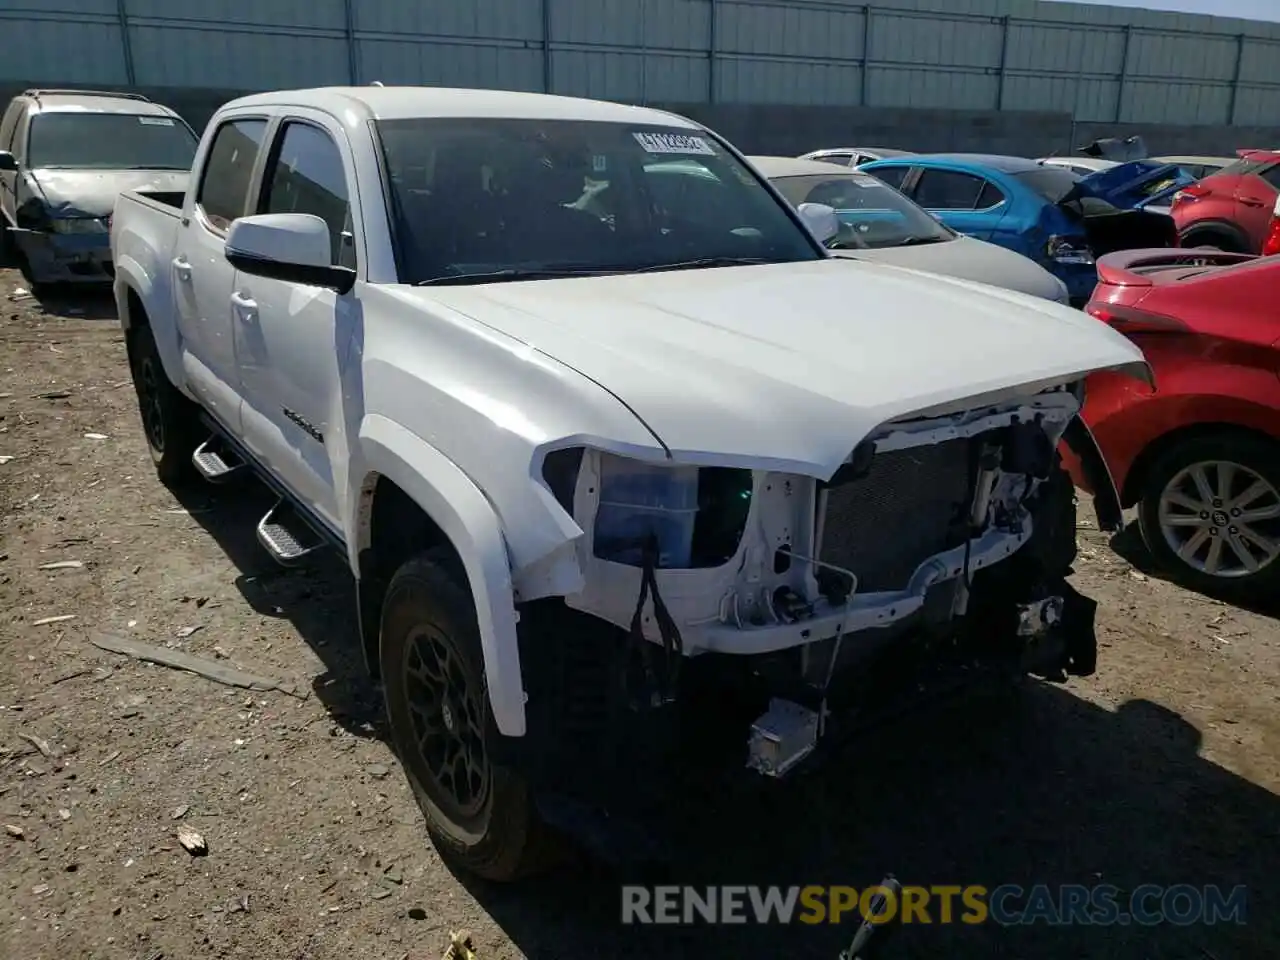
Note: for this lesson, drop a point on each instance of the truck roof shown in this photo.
(399, 103)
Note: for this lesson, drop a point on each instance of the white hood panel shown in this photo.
(789, 366)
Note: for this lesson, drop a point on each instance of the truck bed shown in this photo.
(166, 201)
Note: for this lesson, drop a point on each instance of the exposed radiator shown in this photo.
(907, 508)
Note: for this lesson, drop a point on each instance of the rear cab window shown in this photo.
(228, 171)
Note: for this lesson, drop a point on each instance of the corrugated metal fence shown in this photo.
(1096, 63)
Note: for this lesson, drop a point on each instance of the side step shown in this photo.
(286, 536)
(216, 461)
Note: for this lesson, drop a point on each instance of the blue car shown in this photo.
(1056, 217)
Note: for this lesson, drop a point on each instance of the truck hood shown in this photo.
(92, 193)
(970, 259)
(788, 366)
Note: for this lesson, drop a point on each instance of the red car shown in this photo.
(1200, 454)
(1230, 210)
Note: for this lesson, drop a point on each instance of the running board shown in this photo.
(286, 536)
(217, 462)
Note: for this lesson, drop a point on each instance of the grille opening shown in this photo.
(906, 506)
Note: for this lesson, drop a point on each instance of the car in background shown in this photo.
(1198, 167)
(879, 224)
(854, 156)
(1058, 219)
(65, 155)
(1271, 244)
(1230, 210)
(1200, 455)
(1082, 166)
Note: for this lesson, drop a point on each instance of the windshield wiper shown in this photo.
(503, 276)
(914, 241)
(704, 262)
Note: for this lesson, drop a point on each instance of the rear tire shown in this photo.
(170, 422)
(479, 814)
(1213, 240)
(1204, 501)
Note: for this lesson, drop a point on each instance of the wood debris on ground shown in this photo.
(460, 946)
(192, 842)
(179, 660)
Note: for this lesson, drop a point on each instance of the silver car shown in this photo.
(878, 223)
(65, 155)
(854, 156)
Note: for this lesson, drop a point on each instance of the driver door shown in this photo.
(292, 338)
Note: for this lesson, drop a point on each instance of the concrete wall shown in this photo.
(791, 130)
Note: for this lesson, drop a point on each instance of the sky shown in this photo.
(1249, 9)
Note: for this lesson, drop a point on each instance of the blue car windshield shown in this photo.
(871, 214)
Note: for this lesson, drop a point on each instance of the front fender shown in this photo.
(458, 507)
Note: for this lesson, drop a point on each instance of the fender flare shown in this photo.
(132, 277)
(458, 507)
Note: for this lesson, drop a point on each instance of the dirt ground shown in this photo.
(1162, 768)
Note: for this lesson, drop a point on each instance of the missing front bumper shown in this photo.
(65, 258)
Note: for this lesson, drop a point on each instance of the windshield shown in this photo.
(109, 141)
(870, 213)
(1052, 183)
(488, 199)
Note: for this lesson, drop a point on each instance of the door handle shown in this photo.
(1253, 202)
(182, 267)
(246, 307)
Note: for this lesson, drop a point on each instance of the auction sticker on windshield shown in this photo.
(155, 121)
(674, 143)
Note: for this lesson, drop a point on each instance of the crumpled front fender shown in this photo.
(462, 512)
(1106, 498)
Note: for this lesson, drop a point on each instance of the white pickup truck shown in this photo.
(609, 480)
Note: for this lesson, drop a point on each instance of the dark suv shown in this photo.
(65, 155)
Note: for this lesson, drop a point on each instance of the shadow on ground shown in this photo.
(1055, 791)
(78, 302)
(318, 600)
(1128, 544)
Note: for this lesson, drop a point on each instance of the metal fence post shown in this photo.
(1004, 55)
(353, 54)
(1124, 72)
(712, 85)
(122, 12)
(546, 46)
(1235, 80)
(867, 12)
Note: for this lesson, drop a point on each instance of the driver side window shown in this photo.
(306, 176)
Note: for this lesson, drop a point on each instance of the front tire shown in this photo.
(170, 421)
(1210, 513)
(479, 814)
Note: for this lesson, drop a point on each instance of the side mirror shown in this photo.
(294, 247)
(8, 162)
(821, 221)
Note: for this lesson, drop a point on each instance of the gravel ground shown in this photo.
(1162, 768)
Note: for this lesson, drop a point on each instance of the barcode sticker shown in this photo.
(674, 143)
